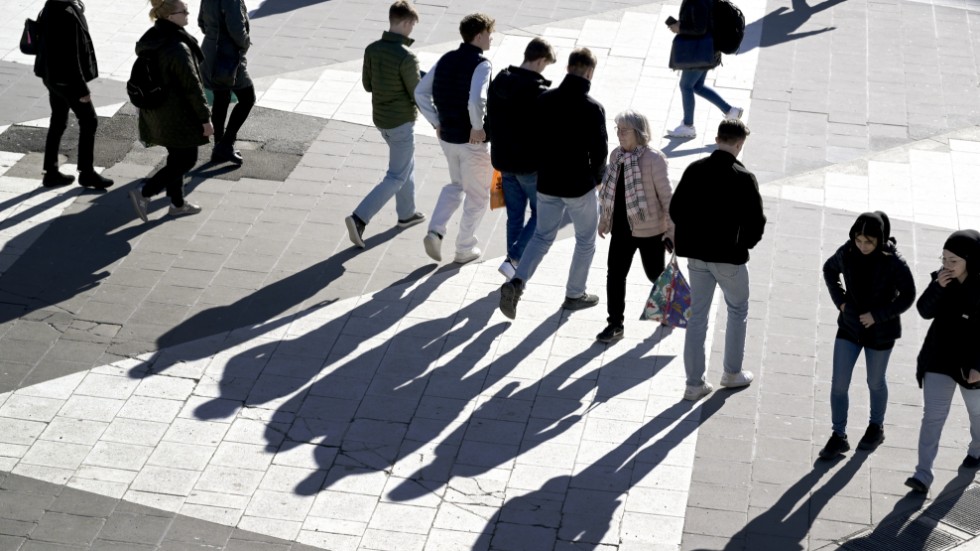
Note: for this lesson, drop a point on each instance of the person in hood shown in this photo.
(949, 356)
(66, 64)
(226, 41)
(871, 286)
(510, 108)
(182, 123)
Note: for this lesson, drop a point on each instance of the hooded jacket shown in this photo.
(950, 346)
(510, 110)
(226, 34)
(879, 283)
(179, 121)
(66, 57)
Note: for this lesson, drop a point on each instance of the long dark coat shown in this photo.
(226, 30)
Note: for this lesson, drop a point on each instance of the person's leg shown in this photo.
(551, 209)
(401, 164)
(529, 183)
(516, 205)
(452, 193)
(179, 161)
(689, 78)
(937, 395)
(734, 282)
(702, 284)
(246, 100)
(709, 94)
(971, 397)
(622, 248)
(845, 356)
(877, 361)
(88, 123)
(476, 174)
(584, 212)
(652, 255)
(219, 112)
(56, 128)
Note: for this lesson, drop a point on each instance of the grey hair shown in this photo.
(638, 123)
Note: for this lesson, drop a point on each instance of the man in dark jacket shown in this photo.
(718, 217)
(66, 63)
(572, 149)
(391, 73)
(452, 96)
(510, 105)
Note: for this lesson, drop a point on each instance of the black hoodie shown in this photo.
(879, 283)
(66, 58)
(510, 110)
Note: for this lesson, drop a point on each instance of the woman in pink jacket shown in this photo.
(634, 200)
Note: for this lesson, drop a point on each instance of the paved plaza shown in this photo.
(246, 379)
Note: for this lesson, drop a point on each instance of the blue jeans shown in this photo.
(519, 190)
(584, 212)
(734, 282)
(937, 396)
(845, 356)
(400, 178)
(692, 82)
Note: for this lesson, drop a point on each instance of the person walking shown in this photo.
(226, 41)
(871, 286)
(510, 108)
(452, 96)
(634, 199)
(182, 122)
(949, 356)
(695, 21)
(570, 129)
(66, 63)
(390, 74)
(718, 217)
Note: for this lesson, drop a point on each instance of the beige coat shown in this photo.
(656, 185)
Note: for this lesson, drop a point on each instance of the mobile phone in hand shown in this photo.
(670, 21)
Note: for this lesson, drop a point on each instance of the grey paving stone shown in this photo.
(67, 529)
(134, 528)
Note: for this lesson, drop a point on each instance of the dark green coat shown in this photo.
(391, 73)
(226, 30)
(179, 121)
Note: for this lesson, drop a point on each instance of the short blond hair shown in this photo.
(163, 9)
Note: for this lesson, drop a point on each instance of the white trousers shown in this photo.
(469, 184)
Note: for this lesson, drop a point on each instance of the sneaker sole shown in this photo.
(574, 307)
(180, 214)
(508, 304)
(411, 223)
(916, 488)
(735, 385)
(432, 248)
(868, 446)
(136, 207)
(352, 232)
(458, 260)
(699, 396)
(615, 338)
(829, 456)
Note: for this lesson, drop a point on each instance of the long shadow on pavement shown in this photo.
(780, 25)
(276, 7)
(581, 508)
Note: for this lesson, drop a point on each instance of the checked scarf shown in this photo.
(636, 198)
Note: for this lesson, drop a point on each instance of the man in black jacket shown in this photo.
(570, 128)
(718, 217)
(513, 151)
(66, 63)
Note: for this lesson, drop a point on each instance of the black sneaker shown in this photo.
(917, 485)
(971, 462)
(873, 437)
(355, 230)
(835, 446)
(54, 178)
(94, 180)
(610, 333)
(412, 220)
(580, 303)
(223, 153)
(510, 295)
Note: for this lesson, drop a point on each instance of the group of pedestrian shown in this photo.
(183, 122)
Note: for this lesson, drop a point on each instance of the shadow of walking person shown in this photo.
(276, 7)
(780, 25)
(582, 508)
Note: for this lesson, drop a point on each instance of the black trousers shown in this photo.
(88, 122)
(222, 99)
(171, 177)
(622, 248)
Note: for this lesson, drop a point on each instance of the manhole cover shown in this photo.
(962, 512)
(912, 537)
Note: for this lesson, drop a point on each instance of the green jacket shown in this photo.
(179, 121)
(391, 73)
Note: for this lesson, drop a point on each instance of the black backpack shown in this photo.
(145, 88)
(728, 26)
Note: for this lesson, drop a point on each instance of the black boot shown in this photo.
(94, 180)
(54, 178)
(226, 153)
(835, 446)
(872, 438)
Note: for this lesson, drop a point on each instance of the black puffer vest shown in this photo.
(451, 92)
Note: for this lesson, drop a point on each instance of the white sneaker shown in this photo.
(735, 380)
(508, 269)
(695, 393)
(468, 256)
(433, 246)
(683, 131)
(734, 113)
(185, 210)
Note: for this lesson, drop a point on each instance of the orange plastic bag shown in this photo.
(497, 191)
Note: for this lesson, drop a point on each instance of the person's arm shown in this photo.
(832, 270)
(188, 80)
(930, 303)
(904, 286)
(366, 73)
(423, 97)
(410, 75)
(236, 23)
(657, 168)
(63, 55)
(678, 202)
(599, 148)
(477, 103)
(753, 223)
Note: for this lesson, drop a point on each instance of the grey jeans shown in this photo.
(937, 396)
